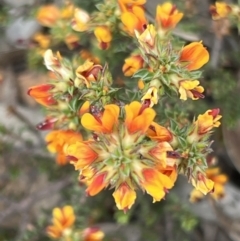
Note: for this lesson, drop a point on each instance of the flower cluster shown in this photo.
(122, 157)
(113, 139)
(62, 227)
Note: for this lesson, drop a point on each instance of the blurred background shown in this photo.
(32, 184)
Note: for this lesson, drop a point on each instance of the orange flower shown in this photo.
(128, 3)
(219, 181)
(104, 36)
(88, 72)
(63, 218)
(191, 89)
(207, 121)
(92, 234)
(102, 122)
(202, 183)
(80, 20)
(81, 154)
(133, 17)
(159, 133)
(42, 40)
(67, 11)
(168, 16)
(72, 41)
(137, 118)
(140, 84)
(132, 65)
(194, 56)
(48, 15)
(147, 38)
(55, 63)
(151, 95)
(97, 184)
(57, 142)
(160, 153)
(86, 55)
(124, 197)
(170, 171)
(84, 108)
(220, 10)
(156, 183)
(42, 94)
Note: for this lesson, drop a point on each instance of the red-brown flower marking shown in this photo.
(47, 124)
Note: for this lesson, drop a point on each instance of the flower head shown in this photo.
(152, 96)
(72, 41)
(129, 3)
(124, 197)
(138, 119)
(80, 21)
(220, 10)
(133, 17)
(202, 183)
(92, 234)
(132, 65)
(158, 132)
(67, 11)
(57, 142)
(58, 65)
(101, 121)
(207, 121)
(147, 38)
(156, 183)
(82, 152)
(104, 36)
(88, 72)
(48, 15)
(96, 184)
(219, 181)
(63, 218)
(194, 56)
(42, 94)
(191, 89)
(43, 40)
(167, 16)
